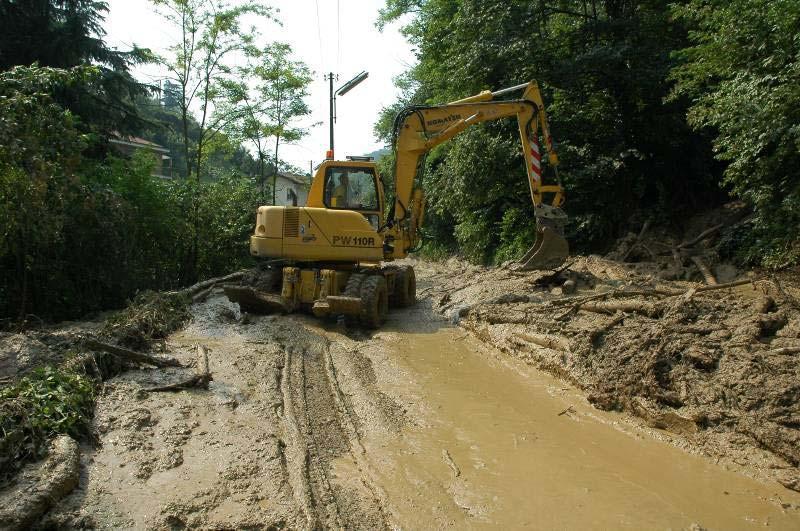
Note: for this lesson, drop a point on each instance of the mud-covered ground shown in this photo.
(718, 369)
(666, 412)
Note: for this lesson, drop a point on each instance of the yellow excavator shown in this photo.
(333, 256)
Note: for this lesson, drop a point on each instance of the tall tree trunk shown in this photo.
(275, 172)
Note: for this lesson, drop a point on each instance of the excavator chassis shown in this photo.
(363, 295)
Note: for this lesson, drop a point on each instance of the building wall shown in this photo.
(283, 196)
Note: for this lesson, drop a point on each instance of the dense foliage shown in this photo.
(85, 226)
(742, 72)
(606, 68)
(80, 234)
(68, 33)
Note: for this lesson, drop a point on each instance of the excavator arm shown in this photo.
(419, 129)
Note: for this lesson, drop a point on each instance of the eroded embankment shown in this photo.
(719, 369)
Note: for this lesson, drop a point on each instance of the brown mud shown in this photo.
(716, 370)
(419, 425)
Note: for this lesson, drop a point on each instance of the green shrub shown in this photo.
(46, 403)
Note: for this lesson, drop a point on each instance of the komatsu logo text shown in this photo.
(441, 121)
(350, 241)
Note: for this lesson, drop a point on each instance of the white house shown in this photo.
(291, 189)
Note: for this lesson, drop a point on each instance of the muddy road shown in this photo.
(418, 425)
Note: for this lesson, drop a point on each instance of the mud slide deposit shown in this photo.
(418, 425)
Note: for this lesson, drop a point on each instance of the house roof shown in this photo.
(294, 177)
(137, 142)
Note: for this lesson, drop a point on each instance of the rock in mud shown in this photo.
(40, 485)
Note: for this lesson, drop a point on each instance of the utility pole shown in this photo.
(341, 91)
(330, 77)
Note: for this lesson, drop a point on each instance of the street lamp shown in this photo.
(341, 91)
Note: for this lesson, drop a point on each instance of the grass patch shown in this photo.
(46, 403)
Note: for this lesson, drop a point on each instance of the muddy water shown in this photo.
(415, 426)
(492, 442)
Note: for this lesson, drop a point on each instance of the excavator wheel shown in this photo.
(374, 301)
(405, 288)
(353, 289)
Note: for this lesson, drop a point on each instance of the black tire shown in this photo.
(353, 289)
(405, 287)
(374, 301)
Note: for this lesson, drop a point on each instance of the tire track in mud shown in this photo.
(321, 434)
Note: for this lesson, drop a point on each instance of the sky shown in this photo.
(310, 27)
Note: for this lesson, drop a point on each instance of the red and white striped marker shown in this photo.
(536, 158)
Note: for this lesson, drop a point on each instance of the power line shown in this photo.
(319, 38)
(338, 37)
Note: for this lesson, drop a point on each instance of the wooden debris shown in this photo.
(191, 291)
(201, 296)
(201, 378)
(543, 340)
(130, 355)
(677, 257)
(709, 277)
(452, 464)
(553, 278)
(611, 307)
(638, 241)
(726, 285)
(705, 234)
(618, 318)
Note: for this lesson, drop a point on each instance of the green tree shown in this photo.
(603, 67)
(742, 73)
(267, 103)
(38, 138)
(201, 62)
(68, 33)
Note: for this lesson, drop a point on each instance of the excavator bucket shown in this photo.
(550, 249)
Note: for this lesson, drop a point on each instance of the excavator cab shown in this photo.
(354, 188)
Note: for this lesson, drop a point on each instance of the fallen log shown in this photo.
(202, 295)
(131, 355)
(708, 276)
(200, 286)
(726, 285)
(543, 340)
(705, 234)
(200, 378)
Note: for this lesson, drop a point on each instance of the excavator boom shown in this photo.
(418, 129)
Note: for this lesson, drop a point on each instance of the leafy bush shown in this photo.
(46, 403)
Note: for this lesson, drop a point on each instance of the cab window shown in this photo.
(351, 188)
